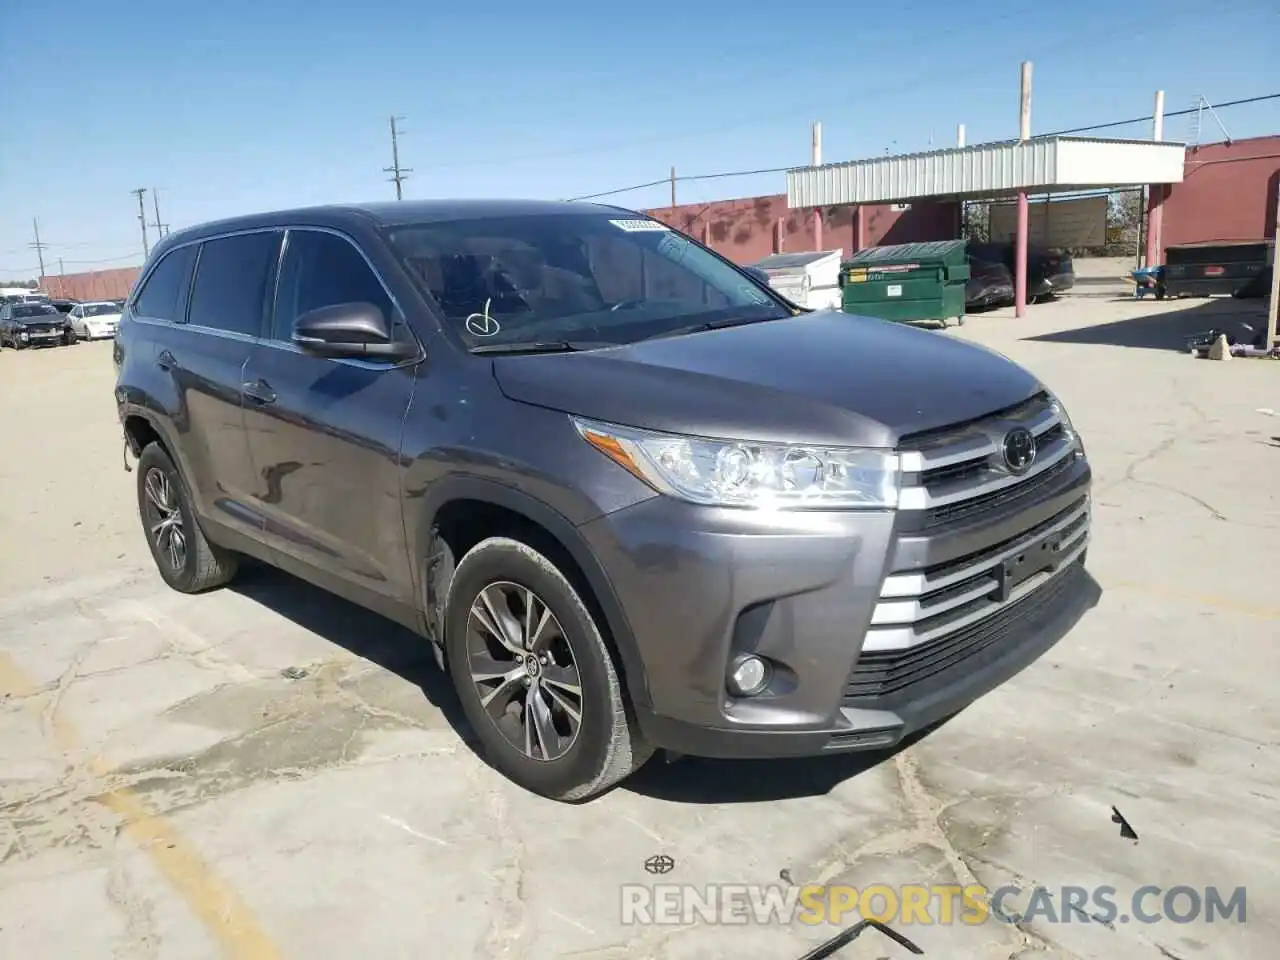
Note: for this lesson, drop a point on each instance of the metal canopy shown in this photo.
(1040, 165)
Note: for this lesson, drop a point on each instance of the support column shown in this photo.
(1020, 240)
(1155, 194)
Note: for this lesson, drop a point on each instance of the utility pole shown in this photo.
(673, 188)
(398, 173)
(162, 229)
(142, 218)
(38, 246)
(815, 157)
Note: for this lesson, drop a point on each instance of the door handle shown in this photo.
(259, 391)
(166, 360)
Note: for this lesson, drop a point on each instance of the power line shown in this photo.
(1171, 113)
(941, 69)
(1057, 133)
(129, 256)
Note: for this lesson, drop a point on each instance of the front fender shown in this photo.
(485, 490)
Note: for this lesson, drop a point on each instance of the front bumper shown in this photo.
(861, 658)
(40, 337)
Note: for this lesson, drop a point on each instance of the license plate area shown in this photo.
(1038, 557)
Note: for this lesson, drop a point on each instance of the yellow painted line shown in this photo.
(1225, 604)
(217, 905)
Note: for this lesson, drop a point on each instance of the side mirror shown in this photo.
(356, 330)
(758, 275)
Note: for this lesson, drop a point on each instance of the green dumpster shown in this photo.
(907, 282)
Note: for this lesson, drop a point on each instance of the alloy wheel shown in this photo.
(524, 670)
(164, 519)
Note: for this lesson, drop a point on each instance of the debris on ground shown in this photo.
(1126, 831)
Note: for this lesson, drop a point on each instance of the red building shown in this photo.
(749, 229)
(1228, 192)
(98, 285)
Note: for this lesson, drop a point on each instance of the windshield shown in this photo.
(34, 309)
(100, 309)
(607, 279)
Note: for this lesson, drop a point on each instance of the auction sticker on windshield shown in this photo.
(638, 226)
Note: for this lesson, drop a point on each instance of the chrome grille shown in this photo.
(958, 473)
(882, 678)
(930, 621)
(922, 607)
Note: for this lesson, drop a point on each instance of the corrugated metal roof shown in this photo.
(1039, 165)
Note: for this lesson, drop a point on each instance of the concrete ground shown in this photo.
(265, 772)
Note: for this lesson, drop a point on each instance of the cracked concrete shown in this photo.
(266, 772)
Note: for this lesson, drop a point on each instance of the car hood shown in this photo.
(825, 377)
(103, 318)
(49, 321)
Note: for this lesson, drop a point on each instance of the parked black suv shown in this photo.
(34, 323)
(632, 498)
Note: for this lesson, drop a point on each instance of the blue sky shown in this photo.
(234, 107)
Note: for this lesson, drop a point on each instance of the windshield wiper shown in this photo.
(714, 325)
(542, 346)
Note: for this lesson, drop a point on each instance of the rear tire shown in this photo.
(187, 561)
(523, 714)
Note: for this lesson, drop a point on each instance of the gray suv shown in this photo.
(632, 498)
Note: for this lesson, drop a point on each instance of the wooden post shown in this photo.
(1269, 338)
(1020, 238)
(1155, 192)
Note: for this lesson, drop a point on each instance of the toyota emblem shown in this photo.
(1019, 450)
(660, 864)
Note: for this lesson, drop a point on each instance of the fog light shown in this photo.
(748, 676)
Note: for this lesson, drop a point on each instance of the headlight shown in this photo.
(735, 473)
(1064, 418)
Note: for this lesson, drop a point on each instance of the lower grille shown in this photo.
(883, 679)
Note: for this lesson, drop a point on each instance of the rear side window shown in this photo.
(322, 270)
(230, 288)
(161, 295)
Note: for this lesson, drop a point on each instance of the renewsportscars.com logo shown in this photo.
(925, 904)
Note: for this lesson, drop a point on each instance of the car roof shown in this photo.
(392, 213)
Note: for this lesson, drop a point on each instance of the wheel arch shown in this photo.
(458, 512)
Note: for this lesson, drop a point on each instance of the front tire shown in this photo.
(536, 679)
(187, 561)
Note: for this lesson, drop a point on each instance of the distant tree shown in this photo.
(977, 221)
(1124, 222)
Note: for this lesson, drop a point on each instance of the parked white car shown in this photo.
(94, 321)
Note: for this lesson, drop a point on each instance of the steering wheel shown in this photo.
(625, 305)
